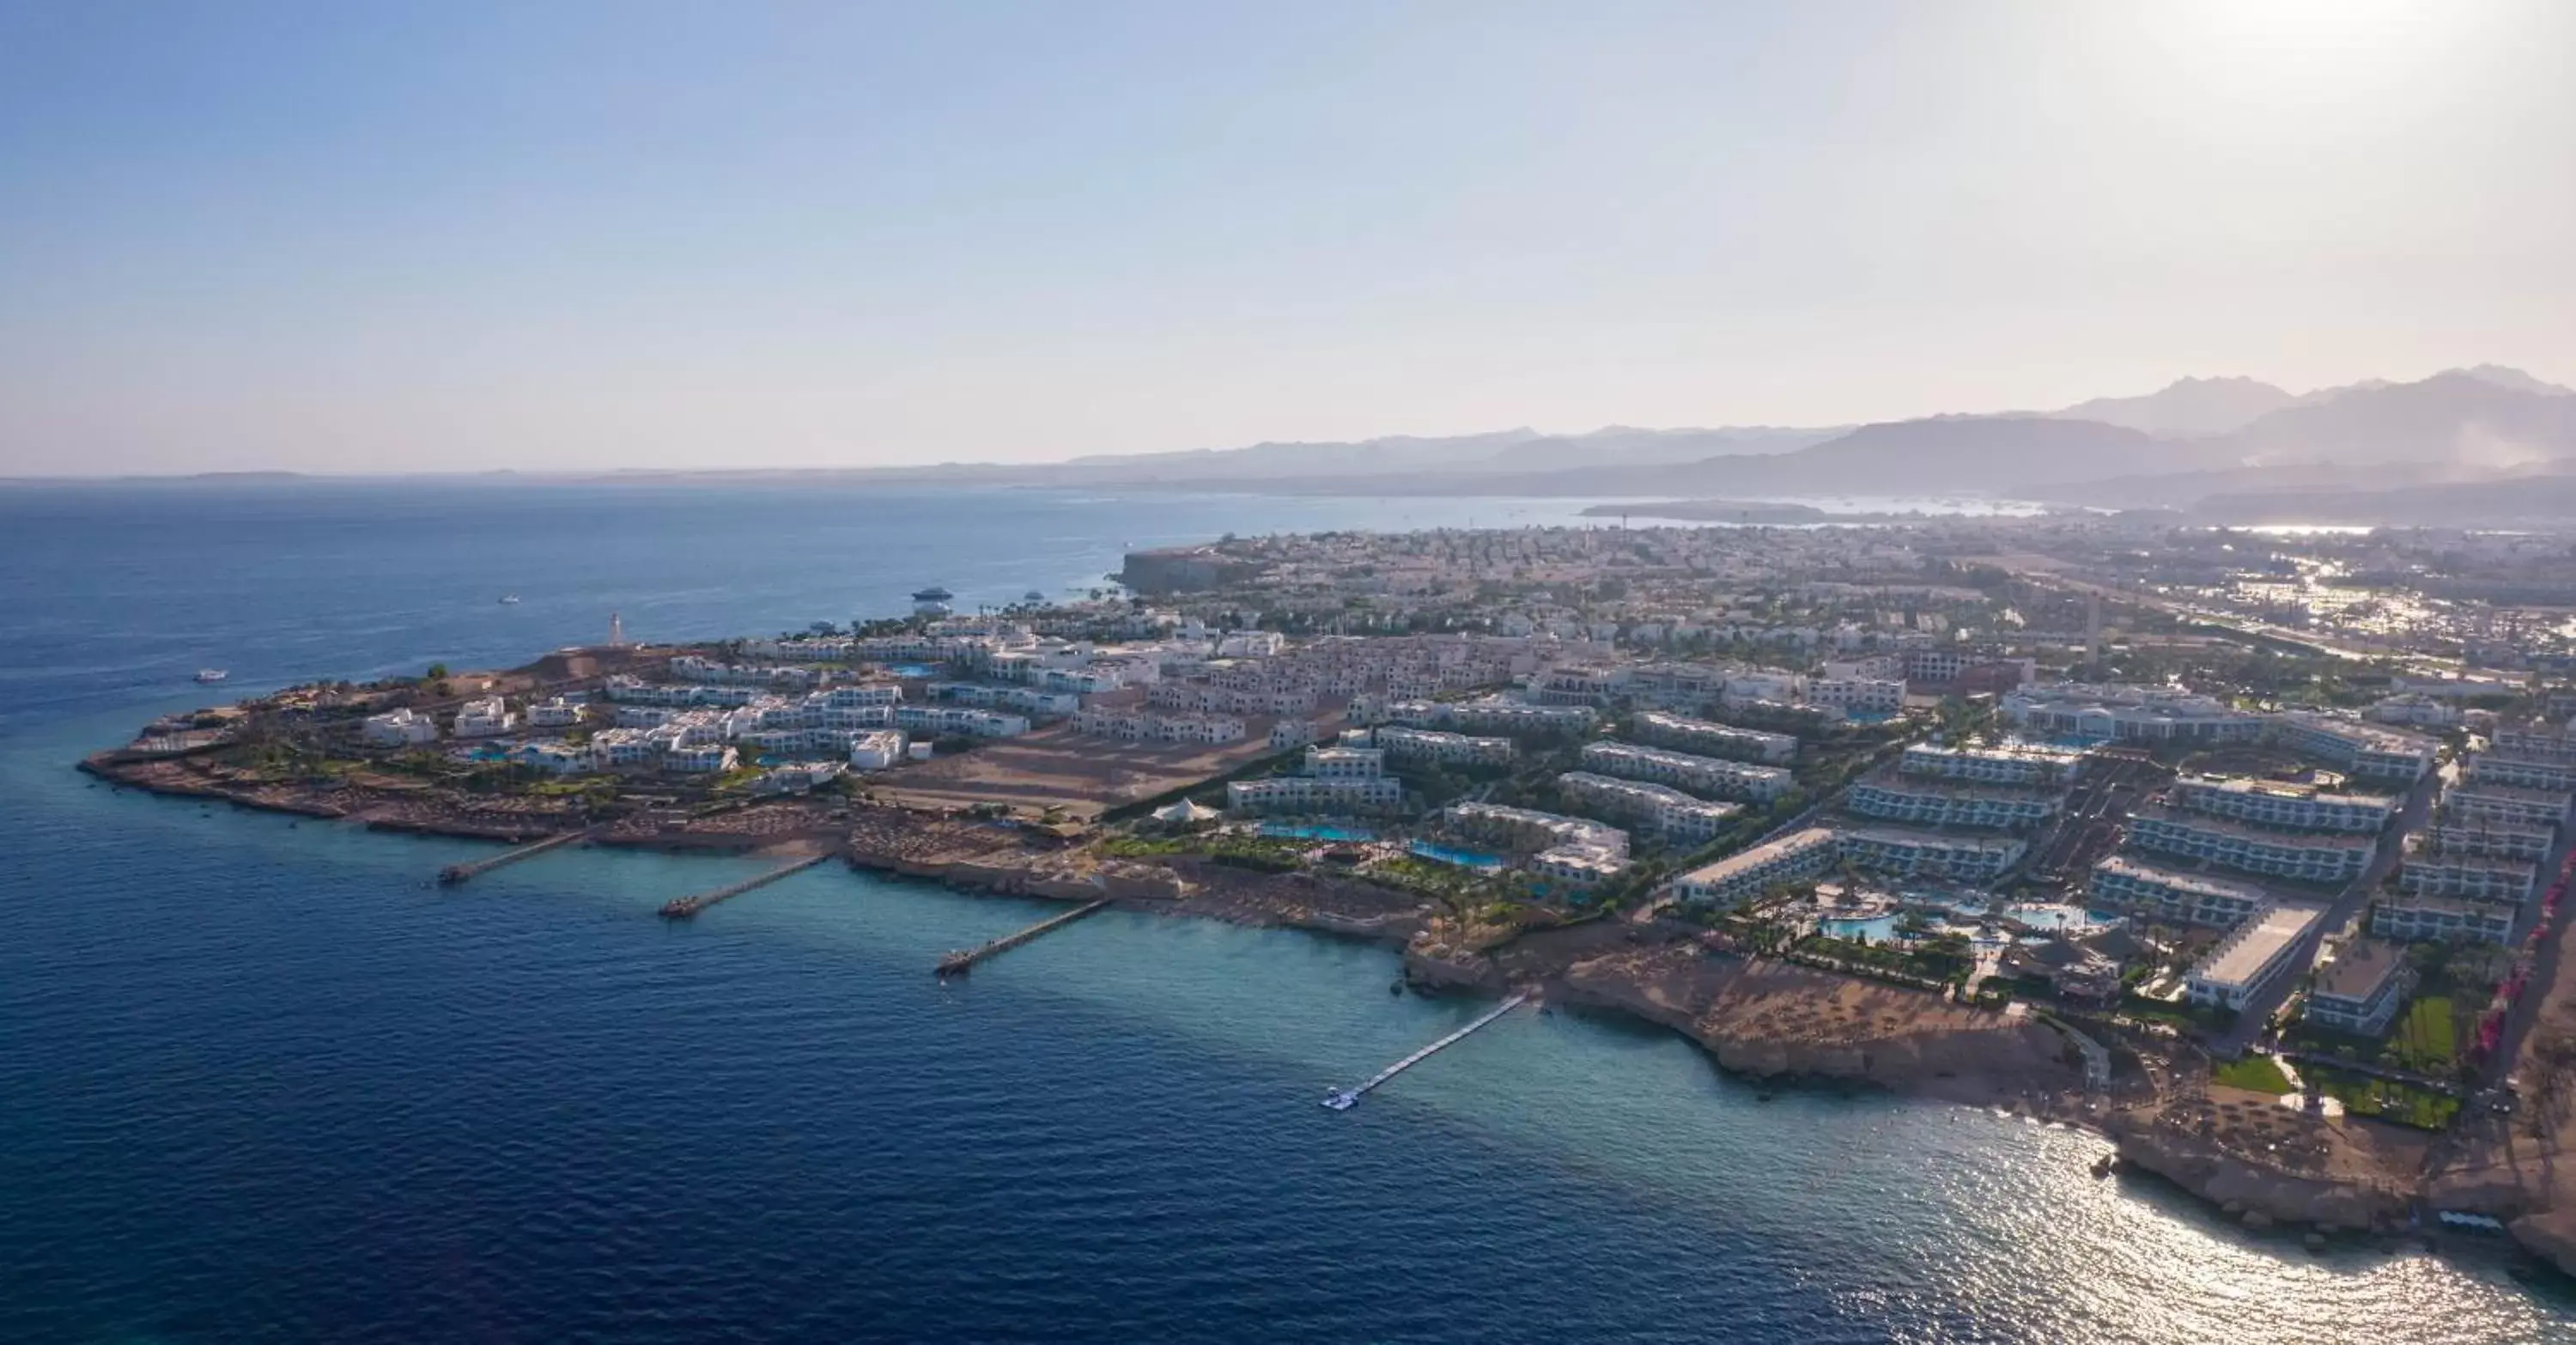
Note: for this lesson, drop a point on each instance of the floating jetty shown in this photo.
(961, 962)
(1345, 1099)
(682, 908)
(457, 873)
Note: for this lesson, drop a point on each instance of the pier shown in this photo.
(457, 873)
(1348, 1098)
(961, 962)
(681, 908)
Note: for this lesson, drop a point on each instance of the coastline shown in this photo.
(1756, 1019)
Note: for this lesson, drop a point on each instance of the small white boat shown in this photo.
(211, 674)
(1343, 1100)
(509, 600)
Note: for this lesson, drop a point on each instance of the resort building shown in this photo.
(2369, 750)
(1345, 763)
(2118, 713)
(2292, 807)
(2172, 896)
(1713, 739)
(2310, 858)
(2414, 918)
(2534, 742)
(876, 749)
(1858, 695)
(2495, 768)
(2360, 990)
(557, 713)
(2505, 805)
(1433, 745)
(1313, 794)
(2020, 766)
(1491, 715)
(700, 758)
(1927, 854)
(1527, 829)
(1659, 808)
(2510, 882)
(2497, 840)
(399, 728)
(1738, 877)
(1713, 775)
(1895, 798)
(1134, 726)
(2252, 957)
(623, 749)
(936, 721)
(1291, 733)
(1030, 701)
(486, 718)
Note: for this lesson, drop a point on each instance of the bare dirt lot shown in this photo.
(1057, 768)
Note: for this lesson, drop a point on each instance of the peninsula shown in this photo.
(2072, 816)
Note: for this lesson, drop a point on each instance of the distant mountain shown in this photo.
(2504, 376)
(1625, 446)
(1391, 454)
(1956, 453)
(2546, 499)
(2458, 417)
(2188, 408)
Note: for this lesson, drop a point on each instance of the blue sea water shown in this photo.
(262, 1082)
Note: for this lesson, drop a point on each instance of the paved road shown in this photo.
(2257, 1016)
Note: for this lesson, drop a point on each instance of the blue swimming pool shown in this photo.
(1285, 832)
(1876, 928)
(912, 670)
(2063, 918)
(1465, 859)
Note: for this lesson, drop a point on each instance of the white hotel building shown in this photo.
(2024, 766)
(1130, 726)
(1926, 854)
(2174, 897)
(1895, 798)
(2290, 806)
(1403, 744)
(2515, 772)
(1857, 695)
(399, 728)
(2503, 881)
(1733, 880)
(2252, 956)
(2308, 858)
(486, 718)
(2368, 750)
(2450, 919)
(2497, 840)
(2505, 805)
(1714, 774)
(1311, 794)
(1658, 808)
(2106, 713)
(1713, 739)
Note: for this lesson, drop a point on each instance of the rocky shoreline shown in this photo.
(1757, 1019)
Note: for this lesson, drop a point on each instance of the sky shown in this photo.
(478, 234)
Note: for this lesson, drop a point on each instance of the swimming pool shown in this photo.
(1465, 859)
(2062, 918)
(1875, 928)
(912, 670)
(1284, 832)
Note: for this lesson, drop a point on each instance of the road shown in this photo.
(2257, 1015)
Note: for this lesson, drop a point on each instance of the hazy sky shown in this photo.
(491, 233)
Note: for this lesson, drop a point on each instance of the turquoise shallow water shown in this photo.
(264, 1082)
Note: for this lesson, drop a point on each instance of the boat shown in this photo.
(509, 600)
(211, 674)
(1342, 1100)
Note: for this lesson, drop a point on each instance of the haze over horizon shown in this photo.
(587, 237)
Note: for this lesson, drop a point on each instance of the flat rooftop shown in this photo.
(2243, 956)
(2359, 969)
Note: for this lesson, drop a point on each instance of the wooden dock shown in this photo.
(457, 873)
(682, 908)
(961, 962)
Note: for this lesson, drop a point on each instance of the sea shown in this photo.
(262, 1081)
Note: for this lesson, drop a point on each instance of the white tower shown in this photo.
(616, 632)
